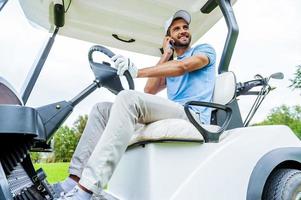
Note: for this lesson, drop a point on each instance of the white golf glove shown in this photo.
(122, 64)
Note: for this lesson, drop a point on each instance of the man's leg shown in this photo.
(130, 107)
(94, 128)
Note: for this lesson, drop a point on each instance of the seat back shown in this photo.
(7, 94)
(225, 93)
(225, 88)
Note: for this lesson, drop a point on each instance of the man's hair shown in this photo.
(168, 32)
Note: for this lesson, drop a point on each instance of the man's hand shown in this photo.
(167, 45)
(122, 64)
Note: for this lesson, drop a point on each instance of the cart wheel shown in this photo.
(283, 184)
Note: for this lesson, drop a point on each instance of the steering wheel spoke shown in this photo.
(105, 74)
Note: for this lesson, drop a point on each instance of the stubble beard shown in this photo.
(179, 44)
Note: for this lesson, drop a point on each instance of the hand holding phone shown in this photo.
(168, 45)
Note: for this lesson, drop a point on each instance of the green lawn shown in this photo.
(55, 171)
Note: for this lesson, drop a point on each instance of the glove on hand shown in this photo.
(122, 64)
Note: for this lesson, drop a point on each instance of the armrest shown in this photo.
(209, 136)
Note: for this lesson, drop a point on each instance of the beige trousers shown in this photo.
(109, 130)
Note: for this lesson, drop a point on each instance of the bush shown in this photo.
(285, 115)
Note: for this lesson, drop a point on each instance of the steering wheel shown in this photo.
(105, 74)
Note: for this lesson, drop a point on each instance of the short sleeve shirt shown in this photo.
(197, 85)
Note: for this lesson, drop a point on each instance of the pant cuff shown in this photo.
(96, 189)
(75, 172)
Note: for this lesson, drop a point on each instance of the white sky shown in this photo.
(269, 41)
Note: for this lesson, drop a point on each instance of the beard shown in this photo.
(182, 44)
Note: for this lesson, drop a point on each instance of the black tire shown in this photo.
(283, 184)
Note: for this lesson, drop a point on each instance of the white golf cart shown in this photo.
(170, 159)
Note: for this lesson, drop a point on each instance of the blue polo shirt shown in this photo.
(197, 85)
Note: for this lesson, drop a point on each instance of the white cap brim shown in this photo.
(179, 14)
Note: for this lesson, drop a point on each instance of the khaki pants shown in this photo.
(109, 130)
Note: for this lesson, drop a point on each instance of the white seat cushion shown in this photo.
(169, 129)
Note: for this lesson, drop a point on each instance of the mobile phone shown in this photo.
(171, 44)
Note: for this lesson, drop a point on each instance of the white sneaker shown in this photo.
(71, 195)
(58, 190)
(104, 196)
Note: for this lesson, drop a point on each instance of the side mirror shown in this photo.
(278, 75)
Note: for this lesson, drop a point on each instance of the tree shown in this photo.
(284, 115)
(65, 142)
(80, 124)
(296, 81)
(66, 139)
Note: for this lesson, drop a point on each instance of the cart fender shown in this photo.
(288, 157)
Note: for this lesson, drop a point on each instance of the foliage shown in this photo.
(35, 157)
(65, 142)
(55, 171)
(80, 124)
(66, 139)
(290, 116)
(296, 81)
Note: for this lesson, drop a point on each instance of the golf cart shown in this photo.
(168, 159)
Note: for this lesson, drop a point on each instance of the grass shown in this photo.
(55, 171)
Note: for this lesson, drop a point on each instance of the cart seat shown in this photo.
(170, 130)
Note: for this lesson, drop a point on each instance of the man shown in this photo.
(111, 126)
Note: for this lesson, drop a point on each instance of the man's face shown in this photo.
(179, 32)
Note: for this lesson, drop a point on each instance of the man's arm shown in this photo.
(157, 84)
(174, 67)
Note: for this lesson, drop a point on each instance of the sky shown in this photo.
(269, 41)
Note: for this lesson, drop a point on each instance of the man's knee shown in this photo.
(101, 108)
(128, 97)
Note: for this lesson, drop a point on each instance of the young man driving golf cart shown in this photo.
(227, 161)
(110, 126)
